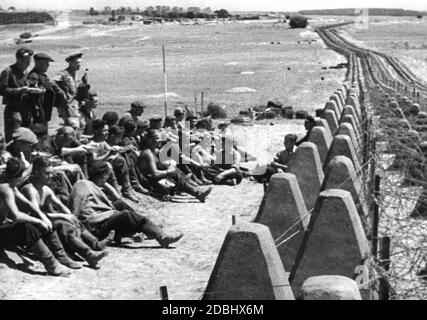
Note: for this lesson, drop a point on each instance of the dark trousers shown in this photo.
(76, 238)
(21, 234)
(121, 170)
(127, 222)
(182, 183)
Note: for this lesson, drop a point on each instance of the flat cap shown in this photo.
(24, 52)
(178, 111)
(73, 56)
(43, 56)
(138, 104)
(24, 135)
(191, 117)
(156, 119)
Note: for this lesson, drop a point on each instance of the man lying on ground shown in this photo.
(74, 236)
(90, 203)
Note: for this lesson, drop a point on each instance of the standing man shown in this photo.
(68, 105)
(14, 87)
(43, 103)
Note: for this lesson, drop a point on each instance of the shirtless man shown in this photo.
(150, 165)
(74, 236)
(34, 234)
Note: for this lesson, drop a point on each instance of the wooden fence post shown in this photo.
(376, 216)
(164, 293)
(384, 286)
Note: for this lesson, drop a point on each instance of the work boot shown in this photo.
(170, 238)
(93, 257)
(154, 231)
(53, 268)
(129, 193)
(196, 180)
(205, 181)
(203, 193)
(138, 188)
(55, 245)
(101, 245)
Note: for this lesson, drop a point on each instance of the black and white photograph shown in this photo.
(205, 150)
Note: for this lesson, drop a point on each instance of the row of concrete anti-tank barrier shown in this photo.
(308, 239)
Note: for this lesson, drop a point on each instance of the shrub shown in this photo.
(298, 22)
(215, 111)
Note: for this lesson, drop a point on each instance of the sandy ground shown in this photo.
(137, 271)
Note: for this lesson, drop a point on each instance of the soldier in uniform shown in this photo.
(68, 105)
(87, 115)
(14, 87)
(43, 103)
(136, 110)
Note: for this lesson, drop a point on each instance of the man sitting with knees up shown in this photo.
(99, 207)
(34, 233)
(74, 236)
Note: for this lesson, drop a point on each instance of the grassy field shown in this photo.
(125, 63)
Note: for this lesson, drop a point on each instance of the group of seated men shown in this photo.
(65, 195)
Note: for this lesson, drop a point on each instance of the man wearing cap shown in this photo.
(23, 141)
(180, 116)
(87, 115)
(68, 105)
(43, 103)
(14, 87)
(155, 123)
(136, 110)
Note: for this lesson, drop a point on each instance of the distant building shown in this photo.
(63, 19)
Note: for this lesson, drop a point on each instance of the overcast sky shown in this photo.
(233, 5)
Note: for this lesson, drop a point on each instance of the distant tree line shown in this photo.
(10, 17)
(372, 12)
(165, 12)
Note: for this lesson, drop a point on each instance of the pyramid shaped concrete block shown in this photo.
(332, 120)
(337, 101)
(285, 213)
(307, 167)
(248, 267)
(342, 145)
(334, 243)
(330, 288)
(340, 174)
(332, 105)
(323, 123)
(322, 139)
(347, 129)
